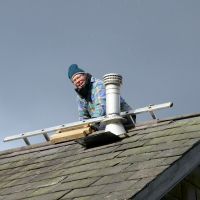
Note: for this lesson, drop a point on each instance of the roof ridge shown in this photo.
(180, 117)
(49, 145)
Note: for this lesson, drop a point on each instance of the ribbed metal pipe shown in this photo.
(112, 83)
(113, 119)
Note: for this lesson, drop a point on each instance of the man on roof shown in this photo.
(91, 94)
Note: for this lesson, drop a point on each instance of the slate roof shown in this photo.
(145, 165)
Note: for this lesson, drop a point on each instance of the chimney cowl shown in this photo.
(113, 120)
(112, 78)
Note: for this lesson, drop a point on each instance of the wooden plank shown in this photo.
(194, 178)
(188, 191)
(74, 128)
(62, 136)
(175, 192)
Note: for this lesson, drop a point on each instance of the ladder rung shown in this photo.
(26, 141)
(46, 136)
(152, 114)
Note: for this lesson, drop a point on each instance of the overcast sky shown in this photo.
(155, 45)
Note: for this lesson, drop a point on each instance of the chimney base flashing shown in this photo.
(116, 128)
(113, 119)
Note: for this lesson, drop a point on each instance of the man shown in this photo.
(91, 94)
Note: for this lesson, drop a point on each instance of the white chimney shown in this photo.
(113, 119)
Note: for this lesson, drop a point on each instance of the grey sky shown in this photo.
(154, 44)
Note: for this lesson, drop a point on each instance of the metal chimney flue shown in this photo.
(113, 119)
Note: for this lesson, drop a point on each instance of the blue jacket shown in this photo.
(97, 106)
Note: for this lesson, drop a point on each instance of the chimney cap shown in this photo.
(112, 78)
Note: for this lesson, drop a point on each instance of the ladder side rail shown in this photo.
(88, 121)
(53, 129)
(147, 109)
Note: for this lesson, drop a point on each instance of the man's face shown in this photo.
(79, 80)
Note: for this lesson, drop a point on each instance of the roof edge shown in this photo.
(163, 184)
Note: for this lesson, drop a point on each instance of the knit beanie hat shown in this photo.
(73, 70)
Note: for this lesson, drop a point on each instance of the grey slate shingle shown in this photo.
(121, 170)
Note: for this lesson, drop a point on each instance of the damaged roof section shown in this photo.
(127, 169)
